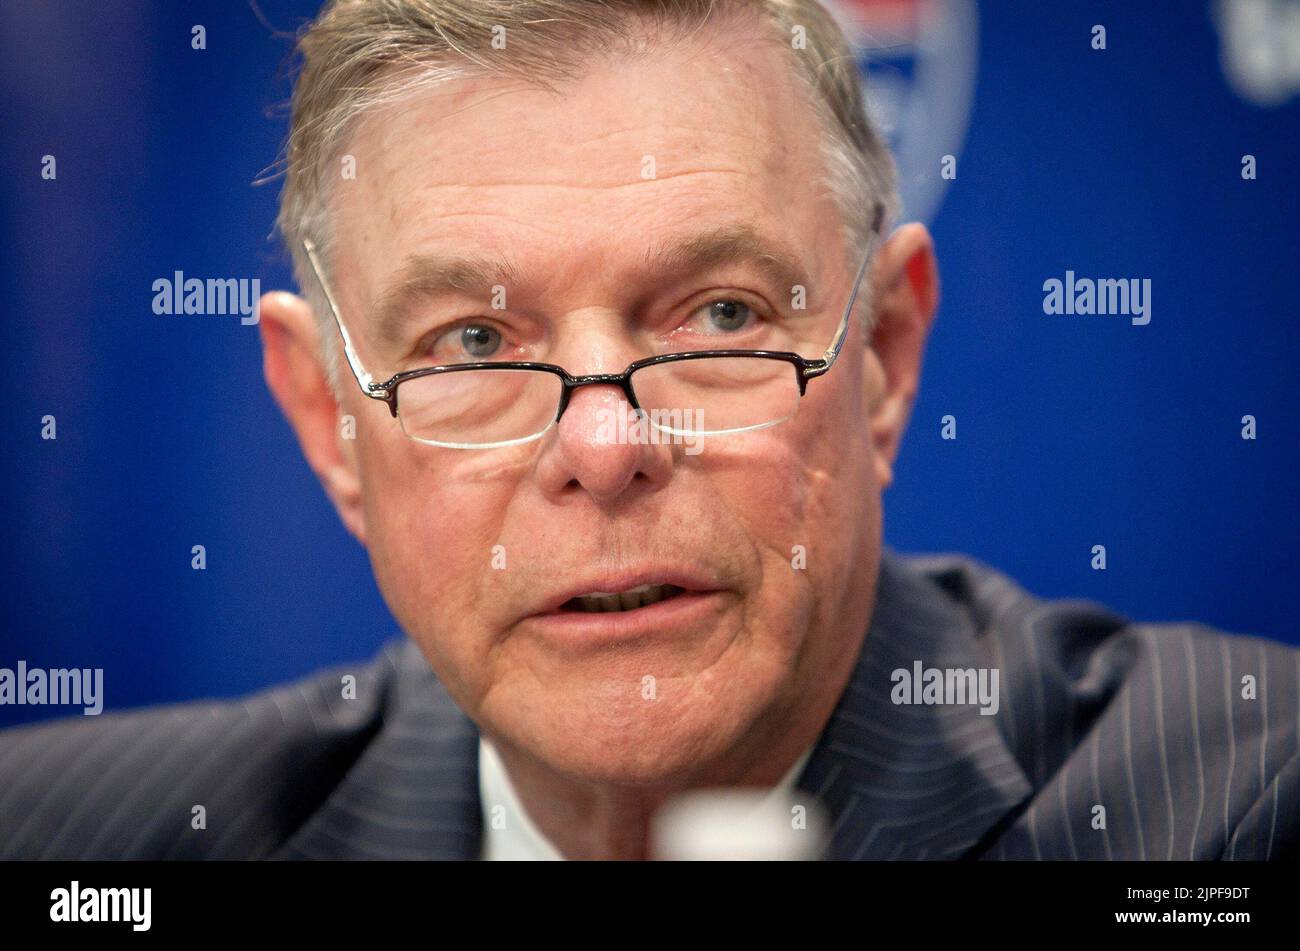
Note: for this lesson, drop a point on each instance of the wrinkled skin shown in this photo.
(744, 682)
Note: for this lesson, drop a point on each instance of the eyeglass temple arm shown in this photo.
(842, 332)
(364, 379)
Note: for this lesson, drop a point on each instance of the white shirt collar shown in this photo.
(508, 832)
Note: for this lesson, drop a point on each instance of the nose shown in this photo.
(600, 448)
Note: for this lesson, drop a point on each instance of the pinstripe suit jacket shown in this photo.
(1112, 740)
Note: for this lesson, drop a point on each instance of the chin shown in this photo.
(635, 747)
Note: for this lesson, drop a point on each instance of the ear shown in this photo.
(293, 370)
(905, 278)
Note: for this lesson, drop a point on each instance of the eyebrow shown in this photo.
(733, 244)
(425, 276)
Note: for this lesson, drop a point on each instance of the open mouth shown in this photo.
(598, 602)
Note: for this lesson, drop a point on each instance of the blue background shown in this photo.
(1072, 431)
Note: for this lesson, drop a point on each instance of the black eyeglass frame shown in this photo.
(804, 368)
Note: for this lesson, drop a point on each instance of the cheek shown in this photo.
(807, 479)
(804, 492)
(431, 532)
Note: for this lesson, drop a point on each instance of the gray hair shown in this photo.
(359, 55)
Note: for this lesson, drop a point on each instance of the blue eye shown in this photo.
(480, 341)
(467, 343)
(726, 316)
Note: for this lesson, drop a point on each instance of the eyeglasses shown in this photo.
(694, 393)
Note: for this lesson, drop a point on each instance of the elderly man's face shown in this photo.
(774, 534)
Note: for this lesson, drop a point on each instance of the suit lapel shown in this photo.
(911, 781)
(413, 793)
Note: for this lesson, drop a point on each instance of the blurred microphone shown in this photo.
(738, 824)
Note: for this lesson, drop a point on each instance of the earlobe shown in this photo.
(296, 377)
(905, 278)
